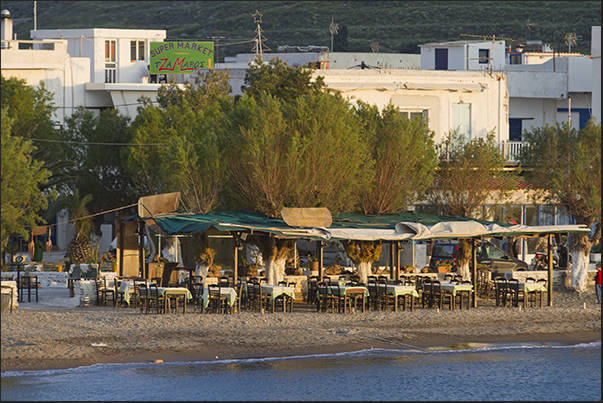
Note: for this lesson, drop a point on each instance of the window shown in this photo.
(110, 61)
(137, 51)
(415, 114)
(484, 56)
(514, 58)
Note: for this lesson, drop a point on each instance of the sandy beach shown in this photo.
(63, 338)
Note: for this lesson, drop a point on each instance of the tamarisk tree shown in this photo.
(564, 165)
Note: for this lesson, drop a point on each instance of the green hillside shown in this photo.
(397, 26)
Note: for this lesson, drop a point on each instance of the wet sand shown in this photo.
(64, 338)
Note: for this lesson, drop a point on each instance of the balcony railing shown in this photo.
(511, 150)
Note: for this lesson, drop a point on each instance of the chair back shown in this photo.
(372, 287)
(355, 278)
(282, 284)
(224, 281)
(157, 281)
(530, 280)
(513, 284)
(142, 289)
(153, 290)
(214, 290)
(263, 280)
(197, 292)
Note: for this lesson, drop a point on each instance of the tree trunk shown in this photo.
(274, 253)
(463, 259)
(364, 270)
(579, 249)
(580, 260)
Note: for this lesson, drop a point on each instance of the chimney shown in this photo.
(7, 28)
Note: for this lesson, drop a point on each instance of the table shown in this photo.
(277, 290)
(228, 292)
(351, 291)
(402, 290)
(455, 288)
(531, 287)
(174, 293)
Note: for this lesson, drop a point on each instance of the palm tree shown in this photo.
(79, 249)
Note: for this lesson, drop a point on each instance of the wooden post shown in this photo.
(235, 271)
(392, 257)
(474, 270)
(142, 269)
(550, 271)
(397, 260)
(319, 247)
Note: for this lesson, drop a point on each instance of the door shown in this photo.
(515, 128)
(460, 119)
(441, 59)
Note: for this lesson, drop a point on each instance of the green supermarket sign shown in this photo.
(181, 57)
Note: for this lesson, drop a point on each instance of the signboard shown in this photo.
(158, 204)
(307, 217)
(181, 57)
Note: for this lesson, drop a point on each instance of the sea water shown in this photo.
(465, 372)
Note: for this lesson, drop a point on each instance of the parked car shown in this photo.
(487, 254)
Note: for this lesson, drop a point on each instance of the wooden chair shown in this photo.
(337, 297)
(217, 303)
(324, 299)
(427, 292)
(143, 297)
(501, 287)
(101, 298)
(373, 297)
(224, 282)
(197, 292)
(441, 297)
(119, 295)
(312, 290)
(385, 300)
(252, 303)
(517, 295)
(155, 302)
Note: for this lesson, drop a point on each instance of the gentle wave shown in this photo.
(453, 348)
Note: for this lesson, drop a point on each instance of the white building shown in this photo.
(94, 68)
(472, 102)
(545, 87)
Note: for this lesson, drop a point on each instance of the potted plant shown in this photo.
(313, 263)
(109, 259)
(71, 285)
(443, 266)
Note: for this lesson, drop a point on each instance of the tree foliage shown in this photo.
(94, 143)
(404, 156)
(305, 153)
(179, 148)
(280, 80)
(21, 176)
(470, 175)
(564, 165)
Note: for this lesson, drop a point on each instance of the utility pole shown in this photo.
(333, 29)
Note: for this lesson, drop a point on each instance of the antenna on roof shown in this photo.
(571, 38)
(333, 29)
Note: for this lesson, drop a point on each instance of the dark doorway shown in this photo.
(441, 59)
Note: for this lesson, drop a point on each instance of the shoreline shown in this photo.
(427, 345)
(42, 338)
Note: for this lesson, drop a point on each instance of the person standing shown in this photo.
(598, 283)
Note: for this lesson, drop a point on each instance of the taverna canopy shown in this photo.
(346, 226)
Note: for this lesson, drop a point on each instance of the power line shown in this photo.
(100, 144)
